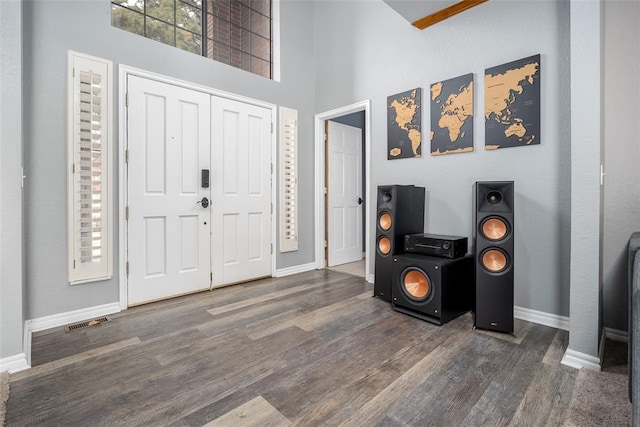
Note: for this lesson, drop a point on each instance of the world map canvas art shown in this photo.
(452, 116)
(403, 127)
(512, 104)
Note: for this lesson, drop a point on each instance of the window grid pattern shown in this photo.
(235, 32)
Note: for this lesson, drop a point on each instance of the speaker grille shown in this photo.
(494, 260)
(385, 221)
(416, 284)
(494, 228)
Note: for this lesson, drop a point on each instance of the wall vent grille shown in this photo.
(93, 322)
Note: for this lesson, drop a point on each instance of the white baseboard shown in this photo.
(61, 319)
(542, 318)
(616, 335)
(578, 360)
(288, 271)
(15, 363)
(371, 278)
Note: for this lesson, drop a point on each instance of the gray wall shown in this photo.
(374, 52)
(11, 277)
(622, 152)
(53, 27)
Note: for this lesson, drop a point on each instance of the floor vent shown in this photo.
(93, 322)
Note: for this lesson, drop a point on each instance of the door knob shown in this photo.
(360, 200)
(204, 202)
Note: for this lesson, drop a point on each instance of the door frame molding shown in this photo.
(320, 162)
(124, 71)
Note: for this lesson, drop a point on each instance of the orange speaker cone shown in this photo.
(385, 221)
(494, 260)
(494, 229)
(384, 245)
(417, 284)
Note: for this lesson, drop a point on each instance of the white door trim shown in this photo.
(320, 178)
(124, 72)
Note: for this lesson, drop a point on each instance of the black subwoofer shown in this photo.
(434, 289)
(400, 211)
(493, 236)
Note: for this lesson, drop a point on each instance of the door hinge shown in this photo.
(73, 168)
(272, 208)
(127, 268)
(126, 99)
(74, 72)
(271, 127)
(326, 190)
(211, 277)
(326, 244)
(74, 264)
(126, 213)
(272, 248)
(326, 137)
(126, 156)
(271, 168)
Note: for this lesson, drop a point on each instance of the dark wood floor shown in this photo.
(310, 349)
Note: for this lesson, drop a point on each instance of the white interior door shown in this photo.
(168, 230)
(344, 213)
(241, 205)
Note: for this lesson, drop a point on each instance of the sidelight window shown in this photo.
(89, 180)
(288, 179)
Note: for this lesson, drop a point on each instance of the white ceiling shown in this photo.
(412, 10)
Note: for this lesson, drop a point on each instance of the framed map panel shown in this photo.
(452, 116)
(512, 104)
(404, 137)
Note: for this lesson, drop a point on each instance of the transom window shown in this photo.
(235, 32)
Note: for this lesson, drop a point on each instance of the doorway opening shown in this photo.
(357, 114)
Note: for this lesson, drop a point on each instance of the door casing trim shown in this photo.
(124, 71)
(320, 161)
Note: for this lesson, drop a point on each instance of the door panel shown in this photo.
(168, 231)
(345, 184)
(241, 209)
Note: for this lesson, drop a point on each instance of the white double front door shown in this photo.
(184, 235)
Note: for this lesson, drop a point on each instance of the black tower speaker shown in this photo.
(430, 288)
(400, 211)
(493, 236)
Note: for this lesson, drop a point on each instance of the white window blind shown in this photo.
(89, 147)
(288, 180)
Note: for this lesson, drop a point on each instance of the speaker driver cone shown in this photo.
(384, 245)
(385, 221)
(416, 284)
(494, 228)
(494, 260)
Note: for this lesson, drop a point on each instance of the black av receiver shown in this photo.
(436, 245)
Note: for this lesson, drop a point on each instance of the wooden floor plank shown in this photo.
(502, 396)
(550, 390)
(255, 413)
(308, 349)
